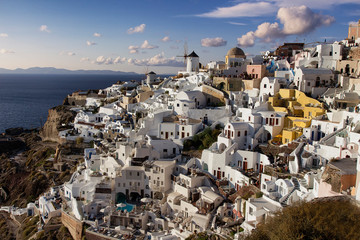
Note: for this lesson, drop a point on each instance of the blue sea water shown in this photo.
(25, 99)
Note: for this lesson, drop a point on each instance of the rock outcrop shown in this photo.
(58, 119)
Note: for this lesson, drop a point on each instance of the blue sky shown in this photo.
(146, 35)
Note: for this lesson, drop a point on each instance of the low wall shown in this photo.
(74, 225)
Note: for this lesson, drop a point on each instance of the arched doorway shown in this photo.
(120, 198)
(135, 197)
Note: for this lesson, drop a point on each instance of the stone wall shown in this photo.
(74, 225)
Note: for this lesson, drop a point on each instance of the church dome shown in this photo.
(236, 53)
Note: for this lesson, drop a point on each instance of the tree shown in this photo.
(327, 218)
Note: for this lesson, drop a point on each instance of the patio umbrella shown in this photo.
(146, 200)
(121, 205)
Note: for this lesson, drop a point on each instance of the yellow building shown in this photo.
(300, 110)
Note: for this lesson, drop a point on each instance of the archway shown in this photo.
(158, 195)
(135, 197)
(221, 86)
(120, 198)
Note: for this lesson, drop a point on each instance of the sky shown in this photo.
(148, 35)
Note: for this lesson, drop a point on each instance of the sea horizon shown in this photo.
(26, 98)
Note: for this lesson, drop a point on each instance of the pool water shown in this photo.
(128, 207)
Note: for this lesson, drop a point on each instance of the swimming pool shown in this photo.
(128, 207)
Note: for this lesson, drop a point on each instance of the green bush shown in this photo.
(327, 219)
(202, 140)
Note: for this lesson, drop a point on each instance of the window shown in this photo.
(264, 85)
(183, 128)
(277, 121)
(130, 183)
(250, 210)
(238, 133)
(138, 173)
(139, 184)
(171, 133)
(308, 84)
(123, 184)
(245, 133)
(130, 173)
(188, 134)
(249, 119)
(162, 170)
(165, 150)
(178, 105)
(162, 133)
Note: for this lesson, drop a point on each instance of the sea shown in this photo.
(25, 99)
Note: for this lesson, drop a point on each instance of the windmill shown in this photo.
(146, 70)
(185, 53)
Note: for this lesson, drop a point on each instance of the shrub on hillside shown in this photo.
(320, 219)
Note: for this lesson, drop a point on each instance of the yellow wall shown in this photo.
(300, 108)
(290, 135)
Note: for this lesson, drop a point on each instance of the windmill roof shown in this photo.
(193, 54)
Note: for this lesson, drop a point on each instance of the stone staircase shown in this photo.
(296, 187)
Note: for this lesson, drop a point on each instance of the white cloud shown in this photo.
(300, 20)
(133, 49)
(296, 21)
(146, 45)
(104, 60)
(247, 40)
(44, 28)
(237, 23)
(108, 60)
(157, 60)
(213, 42)
(3, 35)
(269, 31)
(120, 60)
(166, 39)
(245, 9)
(6, 51)
(89, 43)
(317, 4)
(68, 53)
(85, 59)
(137, 29)
(97, 34)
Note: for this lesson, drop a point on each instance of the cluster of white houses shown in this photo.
(260, 105)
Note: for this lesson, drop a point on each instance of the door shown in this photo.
(166, 135)
(218, 176)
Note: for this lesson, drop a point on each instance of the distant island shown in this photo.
(51, 70)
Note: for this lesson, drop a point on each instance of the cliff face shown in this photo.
(57, 120)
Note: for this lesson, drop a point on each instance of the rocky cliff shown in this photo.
(58, 119)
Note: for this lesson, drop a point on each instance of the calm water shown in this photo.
(25, 99)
